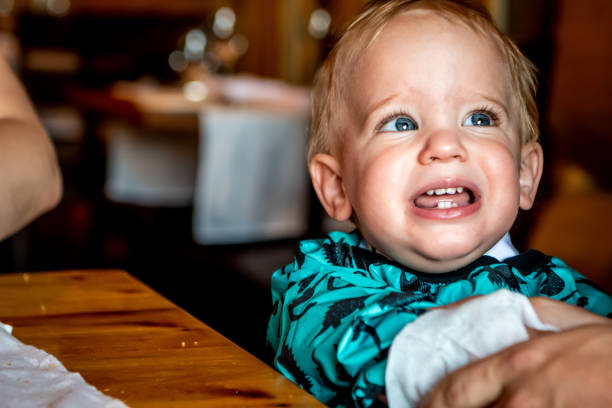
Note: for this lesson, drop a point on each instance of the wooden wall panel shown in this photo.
(581, 85)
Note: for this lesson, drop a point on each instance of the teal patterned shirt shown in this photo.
(337, 308)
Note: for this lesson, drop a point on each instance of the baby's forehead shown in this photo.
(423, 21)
(426, 39)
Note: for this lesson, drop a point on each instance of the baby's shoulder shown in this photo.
(534, 261)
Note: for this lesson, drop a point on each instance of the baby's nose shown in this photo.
(442, 145)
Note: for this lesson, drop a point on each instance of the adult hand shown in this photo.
(563, 315)
(571, 368)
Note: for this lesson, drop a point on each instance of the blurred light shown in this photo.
(58, 8)
(6, 6)
(50, 60)
(212, 62)
(239, 43)
(195, 43)
(223, 26)
(195, 91)
(38, 6)
(177, 61)
(320, 21)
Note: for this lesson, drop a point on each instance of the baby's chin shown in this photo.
(431, 266)
(440, 261)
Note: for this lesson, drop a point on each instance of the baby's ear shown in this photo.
(530, 172)
(327, 182)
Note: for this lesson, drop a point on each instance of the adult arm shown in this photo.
(572, 368)
(30, 180)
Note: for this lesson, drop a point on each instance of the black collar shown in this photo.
(524, 262)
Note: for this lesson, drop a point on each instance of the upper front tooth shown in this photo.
(451, 190)
(440, 191)
(460, 189)
(430, 192)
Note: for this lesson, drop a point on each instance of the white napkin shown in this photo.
(32, 378)
(443, 340)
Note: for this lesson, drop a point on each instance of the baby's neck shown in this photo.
(503, 249)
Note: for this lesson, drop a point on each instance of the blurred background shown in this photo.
(180, 129)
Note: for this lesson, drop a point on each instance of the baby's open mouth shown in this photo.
(443, 198)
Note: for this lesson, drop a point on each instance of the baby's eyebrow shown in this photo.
(496, 102)
(368, 111)
(381, 103)
(410, 93)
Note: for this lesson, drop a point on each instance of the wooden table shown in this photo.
(135, 345)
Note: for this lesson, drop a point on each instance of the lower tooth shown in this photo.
(447, 204)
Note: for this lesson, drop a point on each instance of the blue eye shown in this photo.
(399, 124)
(479, 119)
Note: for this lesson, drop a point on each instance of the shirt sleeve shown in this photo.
(560, 282)
(332, 326)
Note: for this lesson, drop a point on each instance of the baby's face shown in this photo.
(430, 159)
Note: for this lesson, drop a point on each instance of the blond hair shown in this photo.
(329, 89)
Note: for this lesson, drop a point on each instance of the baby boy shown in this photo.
(425, 136)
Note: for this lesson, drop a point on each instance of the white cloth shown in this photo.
(32, 378)
(443, 340)
(150, 168)
(251, 184)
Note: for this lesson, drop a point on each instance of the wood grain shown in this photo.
(133, 344)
